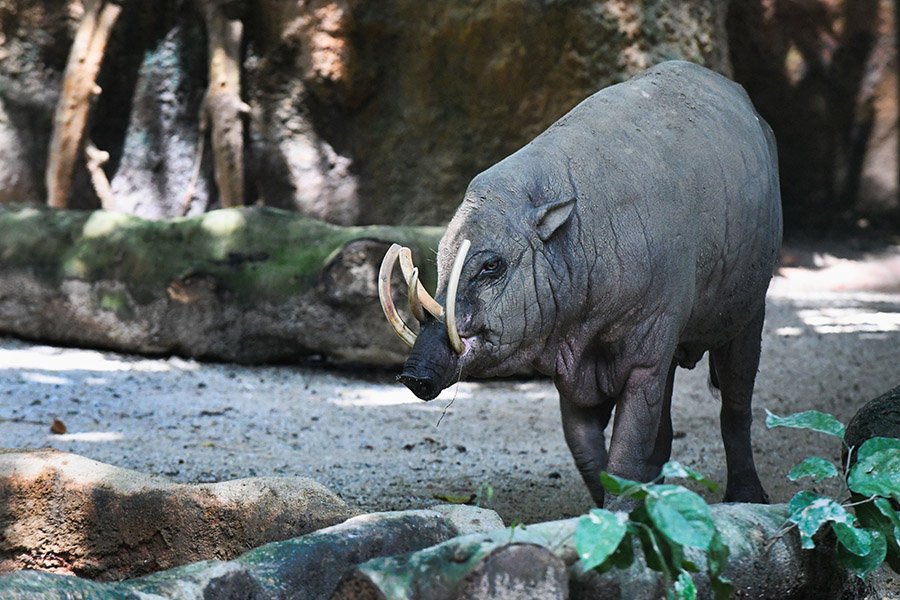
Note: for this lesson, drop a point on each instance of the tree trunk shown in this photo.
(79, 88)
(223, 105)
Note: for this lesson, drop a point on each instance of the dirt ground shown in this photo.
(831, 342)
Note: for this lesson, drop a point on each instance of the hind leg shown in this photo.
(735, 365)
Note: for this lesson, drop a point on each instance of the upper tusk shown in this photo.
(452, 286)
(415, 304)
(425, 299)
(387, 302)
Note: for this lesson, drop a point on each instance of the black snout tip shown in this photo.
(423, 387)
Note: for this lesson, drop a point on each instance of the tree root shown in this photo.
(95, 158)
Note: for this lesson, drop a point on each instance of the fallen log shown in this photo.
(244, 285)
(307, 567)
(447, 571)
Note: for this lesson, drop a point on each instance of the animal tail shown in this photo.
(713, 382)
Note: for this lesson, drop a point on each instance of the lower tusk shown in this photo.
(415, 305)
(452, 285)
(387, 302)
(425, 299)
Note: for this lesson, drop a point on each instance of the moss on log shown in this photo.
(247, 284)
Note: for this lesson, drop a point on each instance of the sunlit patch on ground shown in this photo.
(47, 358)
(850, 320)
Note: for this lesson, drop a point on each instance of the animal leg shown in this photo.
(633, 451)
(662, 450)
(735, 365)
(583, 428)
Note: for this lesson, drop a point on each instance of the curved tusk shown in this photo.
(452, 286)
(425, 299)
(415, 304)
(384, 294)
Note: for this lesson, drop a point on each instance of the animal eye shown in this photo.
(491, 267)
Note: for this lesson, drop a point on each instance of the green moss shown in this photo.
(252, 253)
(113, 302)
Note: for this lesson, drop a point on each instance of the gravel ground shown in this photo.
(376, 445)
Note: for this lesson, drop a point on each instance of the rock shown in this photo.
(877, 418)
(242, 285)
(65, 513)
(363, 111)
(156, 162)
(34, 42)
(378, 111)
(469, 519)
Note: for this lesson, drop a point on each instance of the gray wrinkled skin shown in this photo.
(638, 232)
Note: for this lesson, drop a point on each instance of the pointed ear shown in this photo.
(550, 217)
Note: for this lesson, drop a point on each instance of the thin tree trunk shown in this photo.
(79, 88)
(223, 104)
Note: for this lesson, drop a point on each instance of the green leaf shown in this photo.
(854, 539)
(880, 514)
(863, 565)
(874, 444)
(717, 559)
(641, 526)
(597, 536)
(813, 466)
(622, 487)
(812, 420)
(877, 469)
(623, 557)
(684, 587)
(810, 511)
(801, 499)
(681, 515)
(673, 468)
(885, 508)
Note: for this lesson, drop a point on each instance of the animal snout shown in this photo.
(423, 386)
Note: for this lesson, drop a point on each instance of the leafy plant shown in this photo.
(870, 534)
(668, 519)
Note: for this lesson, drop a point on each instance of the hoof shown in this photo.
(752, 496)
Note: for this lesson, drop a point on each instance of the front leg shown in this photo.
(583, 428)
(634, 450)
